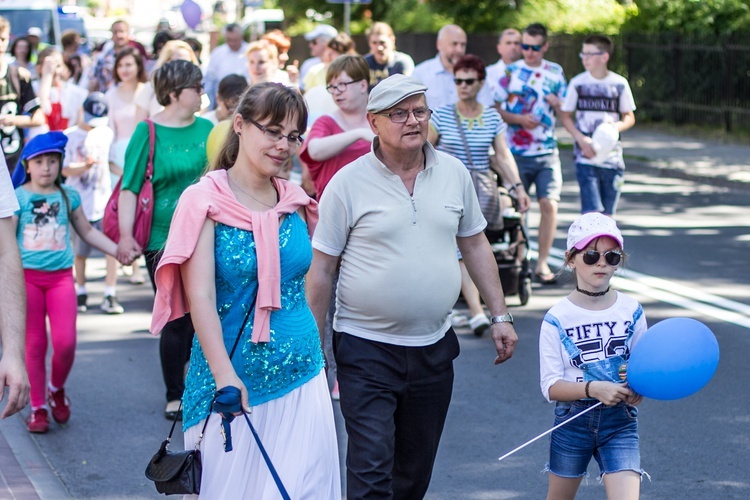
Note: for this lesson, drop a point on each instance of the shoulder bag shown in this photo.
(485, 185)
(144, 209)
(179, 473)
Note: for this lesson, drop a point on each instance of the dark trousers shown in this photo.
(394, 401)
(175, 342)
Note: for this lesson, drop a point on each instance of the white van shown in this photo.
(25, 14)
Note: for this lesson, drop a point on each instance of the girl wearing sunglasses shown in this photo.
(584, 345)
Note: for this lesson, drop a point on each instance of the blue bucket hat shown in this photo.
(51, 142)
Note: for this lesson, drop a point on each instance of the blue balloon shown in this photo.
(192, 13)
(674, 359)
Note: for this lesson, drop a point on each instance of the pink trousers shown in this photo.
(49, 294)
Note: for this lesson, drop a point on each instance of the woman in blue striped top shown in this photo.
(481, 129)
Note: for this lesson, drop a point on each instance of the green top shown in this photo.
(179, 160)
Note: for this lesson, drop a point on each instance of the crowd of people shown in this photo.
(341, 285)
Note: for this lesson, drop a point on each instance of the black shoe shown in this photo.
(82, 298)
(173, 410)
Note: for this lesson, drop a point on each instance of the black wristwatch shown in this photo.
(505, 318)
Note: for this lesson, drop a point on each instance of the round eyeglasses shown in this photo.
(401, 115)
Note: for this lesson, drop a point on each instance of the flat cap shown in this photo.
(392, 91)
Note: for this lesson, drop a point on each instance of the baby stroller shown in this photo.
(511, 249)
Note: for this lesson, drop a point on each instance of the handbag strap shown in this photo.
(151, 145)
(234, 347)
(463, 135)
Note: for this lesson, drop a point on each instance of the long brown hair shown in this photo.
(263, 101)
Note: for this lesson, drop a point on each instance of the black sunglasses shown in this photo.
(535, 48)
(591, 257)
(467, 81)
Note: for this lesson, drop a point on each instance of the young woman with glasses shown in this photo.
(584, 345)
(239, 251)
(481, 129)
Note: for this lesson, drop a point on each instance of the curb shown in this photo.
(26, 474)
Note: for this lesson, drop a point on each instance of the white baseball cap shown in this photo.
(325, 30)
(591, 226)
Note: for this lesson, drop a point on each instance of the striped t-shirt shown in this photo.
(480, 132)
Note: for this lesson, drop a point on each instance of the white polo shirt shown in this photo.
(399, 275)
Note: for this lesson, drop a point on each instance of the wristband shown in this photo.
(587, 389)
(514, 186)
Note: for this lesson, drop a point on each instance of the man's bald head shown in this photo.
(451, 45)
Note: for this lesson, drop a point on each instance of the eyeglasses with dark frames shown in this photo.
(535, 48)
(467, 81)
(591, 257)
(341, 86)
(198, 88)
(294, 140)
(402, 115)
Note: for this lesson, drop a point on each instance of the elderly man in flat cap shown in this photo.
(392, 219)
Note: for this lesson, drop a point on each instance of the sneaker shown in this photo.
(479, 324)
(82, 298)
(111, 305)
(59, 403)
(458, 319)
(335, 391)
(38, 421)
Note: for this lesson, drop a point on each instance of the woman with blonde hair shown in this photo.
(238, 253)
(263, 63)
(146, 103)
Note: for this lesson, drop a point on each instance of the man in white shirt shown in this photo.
(509, 48)
(226, 59)
(393, 218)
(13, 299)
(437, 73)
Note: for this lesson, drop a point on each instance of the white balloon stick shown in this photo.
(548, 431)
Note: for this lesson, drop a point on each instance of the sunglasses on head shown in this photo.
(591, 257)
(535, 48)
(467, 81)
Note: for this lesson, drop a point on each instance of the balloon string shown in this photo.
(549, 430)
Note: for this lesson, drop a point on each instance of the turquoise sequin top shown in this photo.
(293, 356)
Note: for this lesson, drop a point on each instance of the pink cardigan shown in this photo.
(212, 198)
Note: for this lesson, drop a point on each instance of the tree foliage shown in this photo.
(715, 17)
(704, 17)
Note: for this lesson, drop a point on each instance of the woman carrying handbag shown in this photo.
(179, 160)
(239, 247)
(467, 130)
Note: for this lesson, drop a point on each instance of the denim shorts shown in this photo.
(608, 433)
(544, 172)
(600, 188)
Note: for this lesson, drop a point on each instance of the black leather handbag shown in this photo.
(175, 473)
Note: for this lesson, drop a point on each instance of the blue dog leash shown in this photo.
(228, 402)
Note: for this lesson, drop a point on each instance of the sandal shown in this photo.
(546, 278)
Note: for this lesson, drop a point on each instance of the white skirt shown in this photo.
(298, 433)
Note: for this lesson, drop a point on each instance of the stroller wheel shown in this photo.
(524, 290)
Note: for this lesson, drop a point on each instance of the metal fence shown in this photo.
(676, 78)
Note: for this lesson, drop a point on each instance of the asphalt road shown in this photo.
(693, 237)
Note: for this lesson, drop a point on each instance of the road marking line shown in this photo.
(682, 296)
